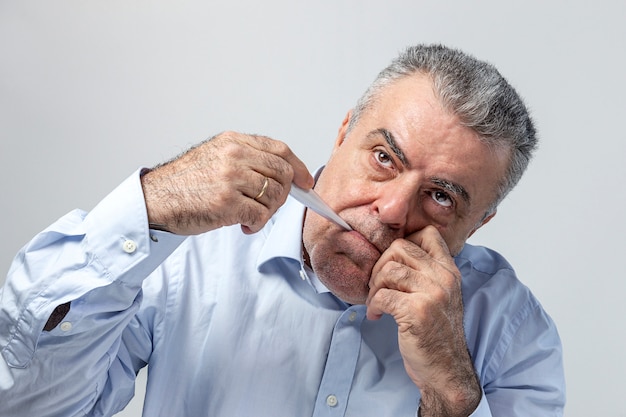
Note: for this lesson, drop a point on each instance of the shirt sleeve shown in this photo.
(483, 408)
(97, 262)
(533, 353)
(509, 393)
(481, 411)
(513, 342)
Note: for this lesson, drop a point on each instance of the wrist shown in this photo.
(157, 219)
(461, 401)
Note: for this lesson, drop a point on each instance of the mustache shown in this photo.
(377, 233)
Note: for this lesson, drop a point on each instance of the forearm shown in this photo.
(459, 397)
(433, 405)
(88, 262)
(481, 410)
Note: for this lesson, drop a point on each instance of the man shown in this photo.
(289, 314)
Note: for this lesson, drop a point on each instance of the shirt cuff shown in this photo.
(483, 409)
(76, 255)
(117, 232)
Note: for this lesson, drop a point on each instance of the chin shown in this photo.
(352, 299)
(344, 278)
(356, 294)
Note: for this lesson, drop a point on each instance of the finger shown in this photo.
(409, 268)
(258, 209)
(395, 266)
(431, 241)
(385, 286)
(271, 193)
(299, 172)
(257, 186)
(396, 275)
(253, 215)
(402, 251)
(379, 304)
(301, 175)
(248, 167)
(393, 302)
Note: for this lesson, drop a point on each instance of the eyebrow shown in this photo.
(453, 188)
(391, 141)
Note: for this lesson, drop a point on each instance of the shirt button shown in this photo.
(331, 400)
(66, 326)
(352, 316)
(129, 246)
(303, 275)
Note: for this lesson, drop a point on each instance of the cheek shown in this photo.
(344, 194)
(327, 242)
(327, 186)
(455, 236)
(341, 170)
(315, 232)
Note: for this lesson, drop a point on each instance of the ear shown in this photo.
(343, 130)
(484, 222)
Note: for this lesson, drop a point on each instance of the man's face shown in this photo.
(406, 164)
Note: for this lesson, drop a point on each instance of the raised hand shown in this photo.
(417, 282)
(229, 179)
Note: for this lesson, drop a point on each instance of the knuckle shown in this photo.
(384, 299)
(227, 136)
(288, 171)
(274, 164)
(265, 143)
(254, 217)
(439, 296)
(230, 148)
(280, 148)
(450, 279)
(273, 192)
(430, 230)
(396, 245)
(262, 218)
(408, 248)
(414, 251)
(396, 270)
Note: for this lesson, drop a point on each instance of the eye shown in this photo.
(383, 158)
(442, 198)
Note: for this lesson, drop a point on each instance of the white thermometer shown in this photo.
(313, 201)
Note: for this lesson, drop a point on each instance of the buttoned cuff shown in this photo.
(117, 232)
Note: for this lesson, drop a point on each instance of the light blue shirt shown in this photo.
(234, 325)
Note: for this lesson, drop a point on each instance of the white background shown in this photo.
(91, 90)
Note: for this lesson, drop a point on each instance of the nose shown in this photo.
(394, 205)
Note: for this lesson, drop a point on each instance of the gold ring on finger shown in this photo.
(263, 189)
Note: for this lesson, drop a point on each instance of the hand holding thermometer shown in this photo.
(313, 201)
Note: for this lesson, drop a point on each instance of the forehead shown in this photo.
(432, 139)
(412, 100)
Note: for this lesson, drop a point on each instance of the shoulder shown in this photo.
(499, 308)
(485, 271)
(497, 304)
(481, 259)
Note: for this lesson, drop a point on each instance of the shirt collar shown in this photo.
(284, 240)
(283, 234)
(284, 231)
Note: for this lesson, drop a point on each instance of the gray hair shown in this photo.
(475, 92)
